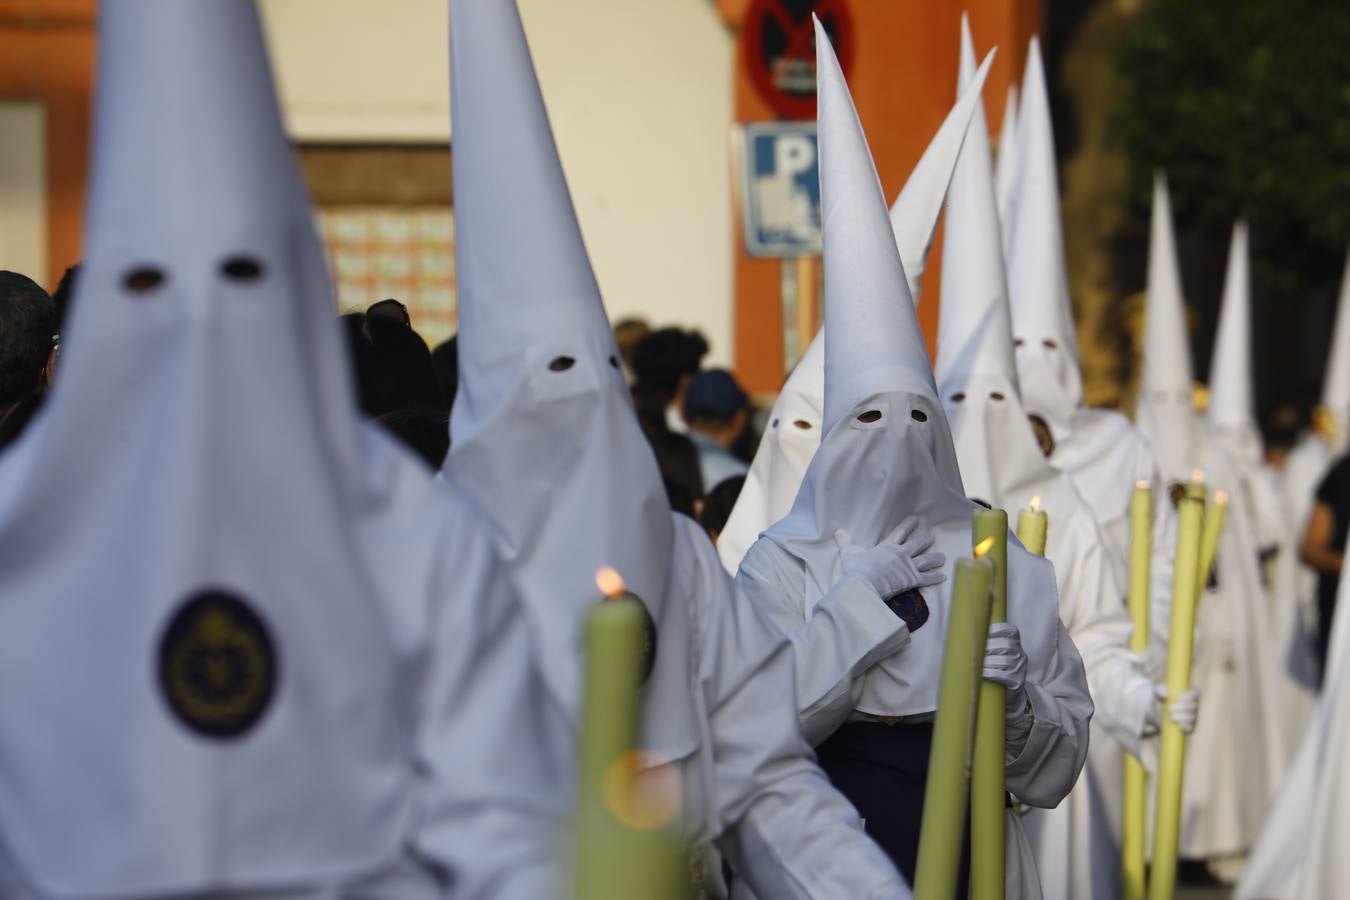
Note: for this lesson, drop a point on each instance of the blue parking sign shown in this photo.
(780, 189)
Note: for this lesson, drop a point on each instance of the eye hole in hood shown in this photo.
(143, 279)
(561, 364)
(870, 416)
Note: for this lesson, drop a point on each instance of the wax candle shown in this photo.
(1134, 823)
(1032, 525)
(1172, 754)
(1210, 535)
(625, 845)
(988, 789)
(948, 787)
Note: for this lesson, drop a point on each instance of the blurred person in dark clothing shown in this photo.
(27, 350)
(393, 366)
(663, 363)
(1324, 546)
(445, 359)
(717, 505)
(677, 459)
(426, 432)
(716, 411)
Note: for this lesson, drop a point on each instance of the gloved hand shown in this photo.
(1184, 710)
(898, 563)
(1005, 662)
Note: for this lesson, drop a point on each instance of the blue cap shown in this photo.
(713, 396)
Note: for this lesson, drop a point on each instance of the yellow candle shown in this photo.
(624, 846)
(988, 790)
(1032, 525)
(1172, 755)
(1209, 538)
(947, 790)
(1134, 824)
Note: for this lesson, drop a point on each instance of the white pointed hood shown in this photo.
(1232, 403)
(795, 422)
(976, 370)
(1005, 167)
(1038, 284)
(914, 215)
(1333, 414)
(887, 447)
(1166, 413)
(216, 580)
(543, 432)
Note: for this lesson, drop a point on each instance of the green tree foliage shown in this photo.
(1245, 104)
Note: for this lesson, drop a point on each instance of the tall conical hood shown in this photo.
(914, 215)
(872, 338)
(976, 369)
(1166, 412)
(543, 433)
(974, 329)
(522, 269)
(795, 423)
(1232, 405)
(1037, 278)
(197, 537)
(1005, 169)
(1334, 412)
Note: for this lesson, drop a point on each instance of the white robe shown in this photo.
(1299, 853)
(850, 630)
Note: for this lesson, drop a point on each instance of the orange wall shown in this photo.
(47, 54)
(903, 80)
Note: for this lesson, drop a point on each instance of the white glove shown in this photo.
(1183, 711)
(898, 563)
(1005, 662)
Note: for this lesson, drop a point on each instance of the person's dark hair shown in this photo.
(445, 359)
(62, 295)
(677, 458)
(16, 418)
(425, 432)
(666, 356)
(717, 505)
(27, 326)
(391, 361)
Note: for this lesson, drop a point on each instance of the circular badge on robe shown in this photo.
(1044, 436)
(648, 644)
(910, 606)
(217, 664)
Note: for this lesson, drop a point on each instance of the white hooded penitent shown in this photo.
(794, 427)
(1166, 409)
(546, 440)
(240, 624)
(1099, 449)
(888, 455)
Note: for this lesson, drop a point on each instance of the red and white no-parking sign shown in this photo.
(779, 47)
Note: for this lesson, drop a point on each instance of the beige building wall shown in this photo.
(23, 200)
(639, 92)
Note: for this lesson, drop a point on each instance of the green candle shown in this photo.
(1172, 753)
(626, 808)
(988, 789)
(1032, 526)
(948, 786)
(1134, 824)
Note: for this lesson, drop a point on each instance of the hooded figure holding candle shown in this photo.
(250, 646)
(887, 456)
(546, 440)
(1100, 450)
(794, 429)
(1244, 626)
(1077, 842)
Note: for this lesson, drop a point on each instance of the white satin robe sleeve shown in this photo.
(1043, 770)
(1092, 606)
(493, 804)
(846, 633)
(783, 826)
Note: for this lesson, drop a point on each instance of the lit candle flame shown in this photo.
(984, 547)
(1198, 476)
(1220, 497)
(1035, 503)
(609, 581)
(1141, 485)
